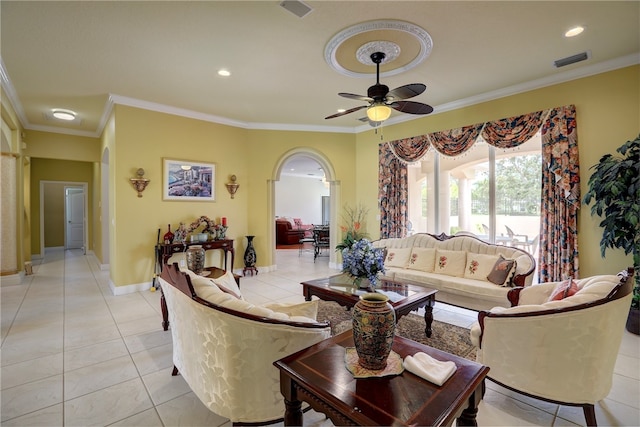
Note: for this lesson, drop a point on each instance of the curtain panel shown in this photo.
(560, 199)
(560, 196)
(392, 193)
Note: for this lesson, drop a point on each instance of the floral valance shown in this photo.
(504, 133)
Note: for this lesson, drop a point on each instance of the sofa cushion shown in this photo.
(451, 263)
(422, 259)
(307, 309)
(227, 283)
(397, 257)
(503, 271)
(479, 266)
(564, 290)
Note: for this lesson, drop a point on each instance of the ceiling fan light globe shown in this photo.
(378, 113)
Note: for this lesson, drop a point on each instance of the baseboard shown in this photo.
(12, 279)
(129, 289)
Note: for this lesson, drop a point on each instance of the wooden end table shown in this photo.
(404, 296)
(318, 376)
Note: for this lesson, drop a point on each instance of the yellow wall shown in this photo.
(608, 114)
(607, 107)
(266, 149)
(57, 170)
(53, 199)
(59, 146)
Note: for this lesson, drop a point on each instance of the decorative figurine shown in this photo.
(181, 234)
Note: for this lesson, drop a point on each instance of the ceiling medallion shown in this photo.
(391, 51)
(345, 52)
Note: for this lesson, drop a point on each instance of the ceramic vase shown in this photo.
(195, 258)
(168, 236)
(250, 253)
(374, 325)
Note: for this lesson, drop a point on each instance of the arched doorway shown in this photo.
(334, 194)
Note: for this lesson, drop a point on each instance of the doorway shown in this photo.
(63, 215)
(333, 193)
(74, 217)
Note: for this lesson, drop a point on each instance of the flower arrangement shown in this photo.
(217, 230)
(354, 218)
(362, 260)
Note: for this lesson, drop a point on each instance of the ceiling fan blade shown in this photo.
(356, 97)
(411, 107)
(406, 91)
(351, 110)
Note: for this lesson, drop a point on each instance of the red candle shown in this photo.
(224, 221)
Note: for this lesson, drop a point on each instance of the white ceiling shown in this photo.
(87, 55)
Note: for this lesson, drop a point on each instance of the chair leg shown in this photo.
(590, 415)
(175, 371)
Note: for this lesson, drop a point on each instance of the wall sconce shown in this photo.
(232, 187)
(139, 183)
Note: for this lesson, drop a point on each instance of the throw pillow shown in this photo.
(297, 222)
(227, 283)
(306, 309)
(479, 265)
(503, 271)
(397, 257)
(423, 259)
(451, 263)
(564, 290)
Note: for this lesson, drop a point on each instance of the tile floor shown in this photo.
(75, 355)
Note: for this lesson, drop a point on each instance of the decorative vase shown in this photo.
(374, 325)
(168, 236)
(250, 253)
(362, 282)
(195, 258)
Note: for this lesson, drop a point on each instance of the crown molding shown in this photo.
(560, 77)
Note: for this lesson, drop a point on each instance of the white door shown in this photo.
(74, 212)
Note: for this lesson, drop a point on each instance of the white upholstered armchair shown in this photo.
(562, 351)
(224, 347)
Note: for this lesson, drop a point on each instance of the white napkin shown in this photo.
(432, 370)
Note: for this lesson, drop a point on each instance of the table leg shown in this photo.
(164, 310)
(292, 413)
(428, 316)
(468, 416)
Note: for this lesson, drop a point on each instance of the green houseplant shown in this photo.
(615, 189)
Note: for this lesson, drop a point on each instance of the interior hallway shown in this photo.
(75, 355)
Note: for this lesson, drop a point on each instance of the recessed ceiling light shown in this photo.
(341, 110)
(224, 73)
(574, 31)
(64, 114)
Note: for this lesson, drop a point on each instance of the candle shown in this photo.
(224, 221)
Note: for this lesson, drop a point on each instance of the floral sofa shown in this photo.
(224, 347)
(466, 271)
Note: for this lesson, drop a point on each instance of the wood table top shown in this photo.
(404, 399)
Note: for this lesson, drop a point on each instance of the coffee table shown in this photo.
(404, 296)
(317, 375)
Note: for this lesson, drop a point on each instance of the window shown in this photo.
(483, 191)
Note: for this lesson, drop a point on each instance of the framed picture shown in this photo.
(188, 181)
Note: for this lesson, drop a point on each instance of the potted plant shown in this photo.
(615, 188)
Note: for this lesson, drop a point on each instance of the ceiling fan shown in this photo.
(381, 100)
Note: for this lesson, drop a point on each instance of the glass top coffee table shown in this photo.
(404, 296)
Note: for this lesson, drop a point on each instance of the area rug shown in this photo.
(449, 338)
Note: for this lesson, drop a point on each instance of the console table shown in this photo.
(165, 251)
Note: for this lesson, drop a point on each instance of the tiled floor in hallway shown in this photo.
(75, 355)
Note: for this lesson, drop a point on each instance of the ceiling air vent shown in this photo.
(572, 59)
(296, 7)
